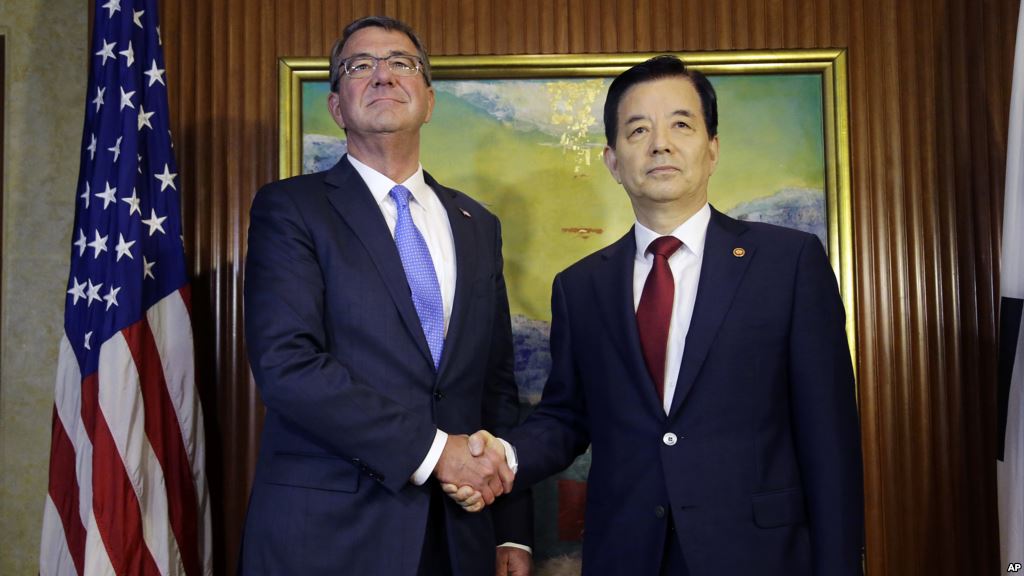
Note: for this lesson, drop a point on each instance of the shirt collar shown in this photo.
(380, 185)
(691, 232)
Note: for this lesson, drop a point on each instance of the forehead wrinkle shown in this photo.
(369, 55)
(641, 117)
(635, 118)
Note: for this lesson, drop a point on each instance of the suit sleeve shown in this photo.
(824, 412)
(297, 378)
(512, 514)
(556, 432)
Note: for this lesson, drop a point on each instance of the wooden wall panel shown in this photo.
(929, 97)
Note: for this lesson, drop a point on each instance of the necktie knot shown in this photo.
(401, 195)
(664, 246)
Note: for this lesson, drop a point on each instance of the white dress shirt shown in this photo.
(430, 217)
(685, 264)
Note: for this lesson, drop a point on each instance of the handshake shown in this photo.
(473, 470)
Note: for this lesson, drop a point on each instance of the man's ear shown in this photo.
(713, 153)
(612, 162)
(334, 109)
(430, 104)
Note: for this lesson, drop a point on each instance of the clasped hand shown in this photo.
(473, 470)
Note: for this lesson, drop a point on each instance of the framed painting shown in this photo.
(524, 136)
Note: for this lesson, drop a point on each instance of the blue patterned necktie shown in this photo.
(419, 271)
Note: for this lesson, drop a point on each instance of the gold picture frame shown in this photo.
(819, 104)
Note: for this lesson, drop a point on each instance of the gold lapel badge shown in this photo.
(739, 252)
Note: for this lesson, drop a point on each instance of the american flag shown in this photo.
(127, 491)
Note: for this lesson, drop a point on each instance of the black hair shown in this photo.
(665, 66)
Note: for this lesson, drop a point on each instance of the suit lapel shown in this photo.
(350, 196)
(720, 276)
(465, 240)
(613, 286)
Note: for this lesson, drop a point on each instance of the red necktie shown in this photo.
(654, 314)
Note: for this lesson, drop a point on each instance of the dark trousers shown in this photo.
(435, 561)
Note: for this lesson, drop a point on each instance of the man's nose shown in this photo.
(382, 74)
(659, 140)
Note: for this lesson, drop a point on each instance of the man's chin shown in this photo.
(663, 173)
(387, 128)
(666, 195)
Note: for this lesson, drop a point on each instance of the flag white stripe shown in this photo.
(97, 562)
(120, 401)
(170, 324)
(68, 401)
(172, 333)
(54, 556)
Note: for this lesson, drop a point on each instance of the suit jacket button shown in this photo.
(438, 396)
(659, 511)
(669, 439)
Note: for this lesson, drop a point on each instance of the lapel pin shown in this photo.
(739, 252)
(464, 213)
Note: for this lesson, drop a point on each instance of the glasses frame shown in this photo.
(418, 64)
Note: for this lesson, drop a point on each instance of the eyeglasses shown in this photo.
(399, 64)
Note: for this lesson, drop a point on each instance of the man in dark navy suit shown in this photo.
(378, 331)
(705, 361)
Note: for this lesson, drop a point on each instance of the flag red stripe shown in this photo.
(165, 437)
(115, 504)
(186, 297)
(64, 490)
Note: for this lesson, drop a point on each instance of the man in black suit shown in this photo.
(705, 361)
(378, 331)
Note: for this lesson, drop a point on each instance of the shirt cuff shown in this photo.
(514, 545)
(422, 474)
(512, 460)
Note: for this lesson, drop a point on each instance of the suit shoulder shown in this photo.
(776, 232)
(587, 262)
(765, 234)
(302, 184)
(780, 244)
(463, 201)
(624, 247)
(298, 193)
(467, 204)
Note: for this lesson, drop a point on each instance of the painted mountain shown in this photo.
(799, 208)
